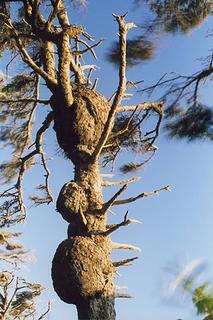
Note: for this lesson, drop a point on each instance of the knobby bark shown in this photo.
(82, 270)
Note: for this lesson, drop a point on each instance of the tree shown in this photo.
(89, 129)
(17, 296)
(187, 117)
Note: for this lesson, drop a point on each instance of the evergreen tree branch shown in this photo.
(141, 195)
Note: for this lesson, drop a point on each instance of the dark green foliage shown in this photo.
(203, 299)
(194, 123)
(138, 50)
(130, 167)
(176, 15)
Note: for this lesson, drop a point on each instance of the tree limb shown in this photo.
(115, 183)
(157, 106)
(109, 203)
(123, 29)
(125, 262)
(141, 195)
(26, 57)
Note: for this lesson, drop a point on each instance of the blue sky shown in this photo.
(175, 226)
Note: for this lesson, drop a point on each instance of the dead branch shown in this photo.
(157, 106)
(126, 262)
(141, 195)
(123, 29)
(53, 14)
(179, 85)
(46, 312)
(27, 100)
(115, 183)
(115, 227)
(26, 57)
(125, 246)
(64, 61)
(88, 47)
(109, 203)
(61, 13)
(122, 295)
(25, 159)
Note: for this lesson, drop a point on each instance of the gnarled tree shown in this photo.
(90, 130)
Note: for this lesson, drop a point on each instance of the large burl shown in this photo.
(79, 126)
(82, 269)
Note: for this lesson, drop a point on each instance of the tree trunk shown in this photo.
(97, 308)
(82, 270)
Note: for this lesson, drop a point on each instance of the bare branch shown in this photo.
(88, 47)
(115, 227)
(109, 203)
(125, 246)
(61, 13)
(142, 195)
(125, 262)
(157, 106)
(27, 100)
(122, 295)
(46, 312)
(25, 159)
(115, 183)
(123, 29)
(26, 57)
(53, 14)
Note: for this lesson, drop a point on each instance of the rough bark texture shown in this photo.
(82, 270)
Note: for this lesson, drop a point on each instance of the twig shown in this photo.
(24, 160)
(88, 47)
(46, 312)
(141, 195)
(122, 295)
(125, 262)
(115, 227)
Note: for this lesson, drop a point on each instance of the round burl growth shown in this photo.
(71, 201)
(81, 269)
(75, 198)
(79, 126)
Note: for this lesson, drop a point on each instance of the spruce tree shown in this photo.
(91, 131)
